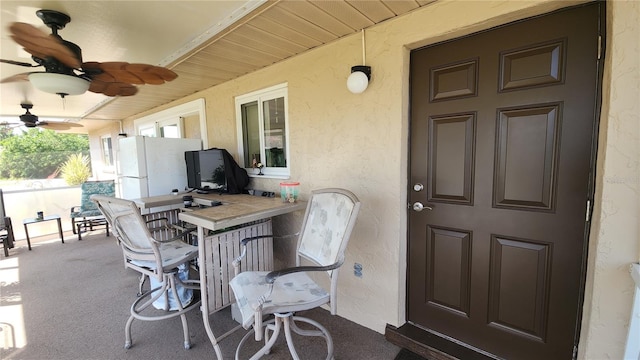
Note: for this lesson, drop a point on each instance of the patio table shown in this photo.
(26, 222)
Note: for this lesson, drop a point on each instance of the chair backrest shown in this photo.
(102, 187)
(3, 214)
(131, 229)
(328, 221)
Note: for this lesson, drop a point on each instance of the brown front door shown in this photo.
(502, 129)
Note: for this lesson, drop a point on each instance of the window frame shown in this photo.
(112, 161)
(261, 96)
(151, 124)
(155, 129)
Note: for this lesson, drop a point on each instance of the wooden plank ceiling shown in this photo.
(274, 32)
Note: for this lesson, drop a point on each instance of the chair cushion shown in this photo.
(173, 254)
(291, 292)
(106, 188)
(77, 214)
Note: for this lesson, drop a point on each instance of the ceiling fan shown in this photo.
(30, 120)
(65, 72)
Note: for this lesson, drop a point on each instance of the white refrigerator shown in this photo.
(152, 166)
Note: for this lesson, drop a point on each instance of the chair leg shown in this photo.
(288, 322)
(287, 335)
(266, 338)
(183, 317)
(136, 311)
(5, 245)
(143, 278)
(168, 284)
(275, 326)
(127, 333)
(322, 331)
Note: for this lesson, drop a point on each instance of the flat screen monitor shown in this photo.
(206, 170)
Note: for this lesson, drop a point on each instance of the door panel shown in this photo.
(501, 134)
(526, 153)
(449, 254)
(451, 156)
(518, 300)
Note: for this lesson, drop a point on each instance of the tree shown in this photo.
(5, 132)
(38, 153)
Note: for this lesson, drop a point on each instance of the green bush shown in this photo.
(76, 169)
(38, 153)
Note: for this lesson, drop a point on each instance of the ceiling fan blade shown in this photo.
(35, 42)
(9, 124)
(16, 77)
(110, 72)
(19, 63)
(104, 66)
(113, 71)
(149, 78)
(112, 88)
(57, 125)
(122, 76)
(128, 73)
(166, 74)
(24, 30)
(156, 74)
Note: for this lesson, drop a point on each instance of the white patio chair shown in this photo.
(326, 228)
(159, 259)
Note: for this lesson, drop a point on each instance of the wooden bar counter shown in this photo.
(235, 209)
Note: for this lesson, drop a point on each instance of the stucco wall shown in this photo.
(359, 142)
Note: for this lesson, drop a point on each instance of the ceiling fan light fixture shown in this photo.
(59, 84)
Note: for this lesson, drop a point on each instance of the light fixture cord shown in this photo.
(364, 61)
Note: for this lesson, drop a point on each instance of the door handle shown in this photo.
(417, 206)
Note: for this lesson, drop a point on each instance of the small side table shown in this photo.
(36, 220)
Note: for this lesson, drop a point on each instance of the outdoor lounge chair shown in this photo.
(327, 225)
(161, 260)
(87, 217)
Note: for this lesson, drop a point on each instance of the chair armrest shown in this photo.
(166, 226)
(73, 209)
(178, 236)
(245, 241)
(272, 276)
(163, 219)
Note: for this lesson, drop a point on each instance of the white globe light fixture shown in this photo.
(60, 84)
(358, 81)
